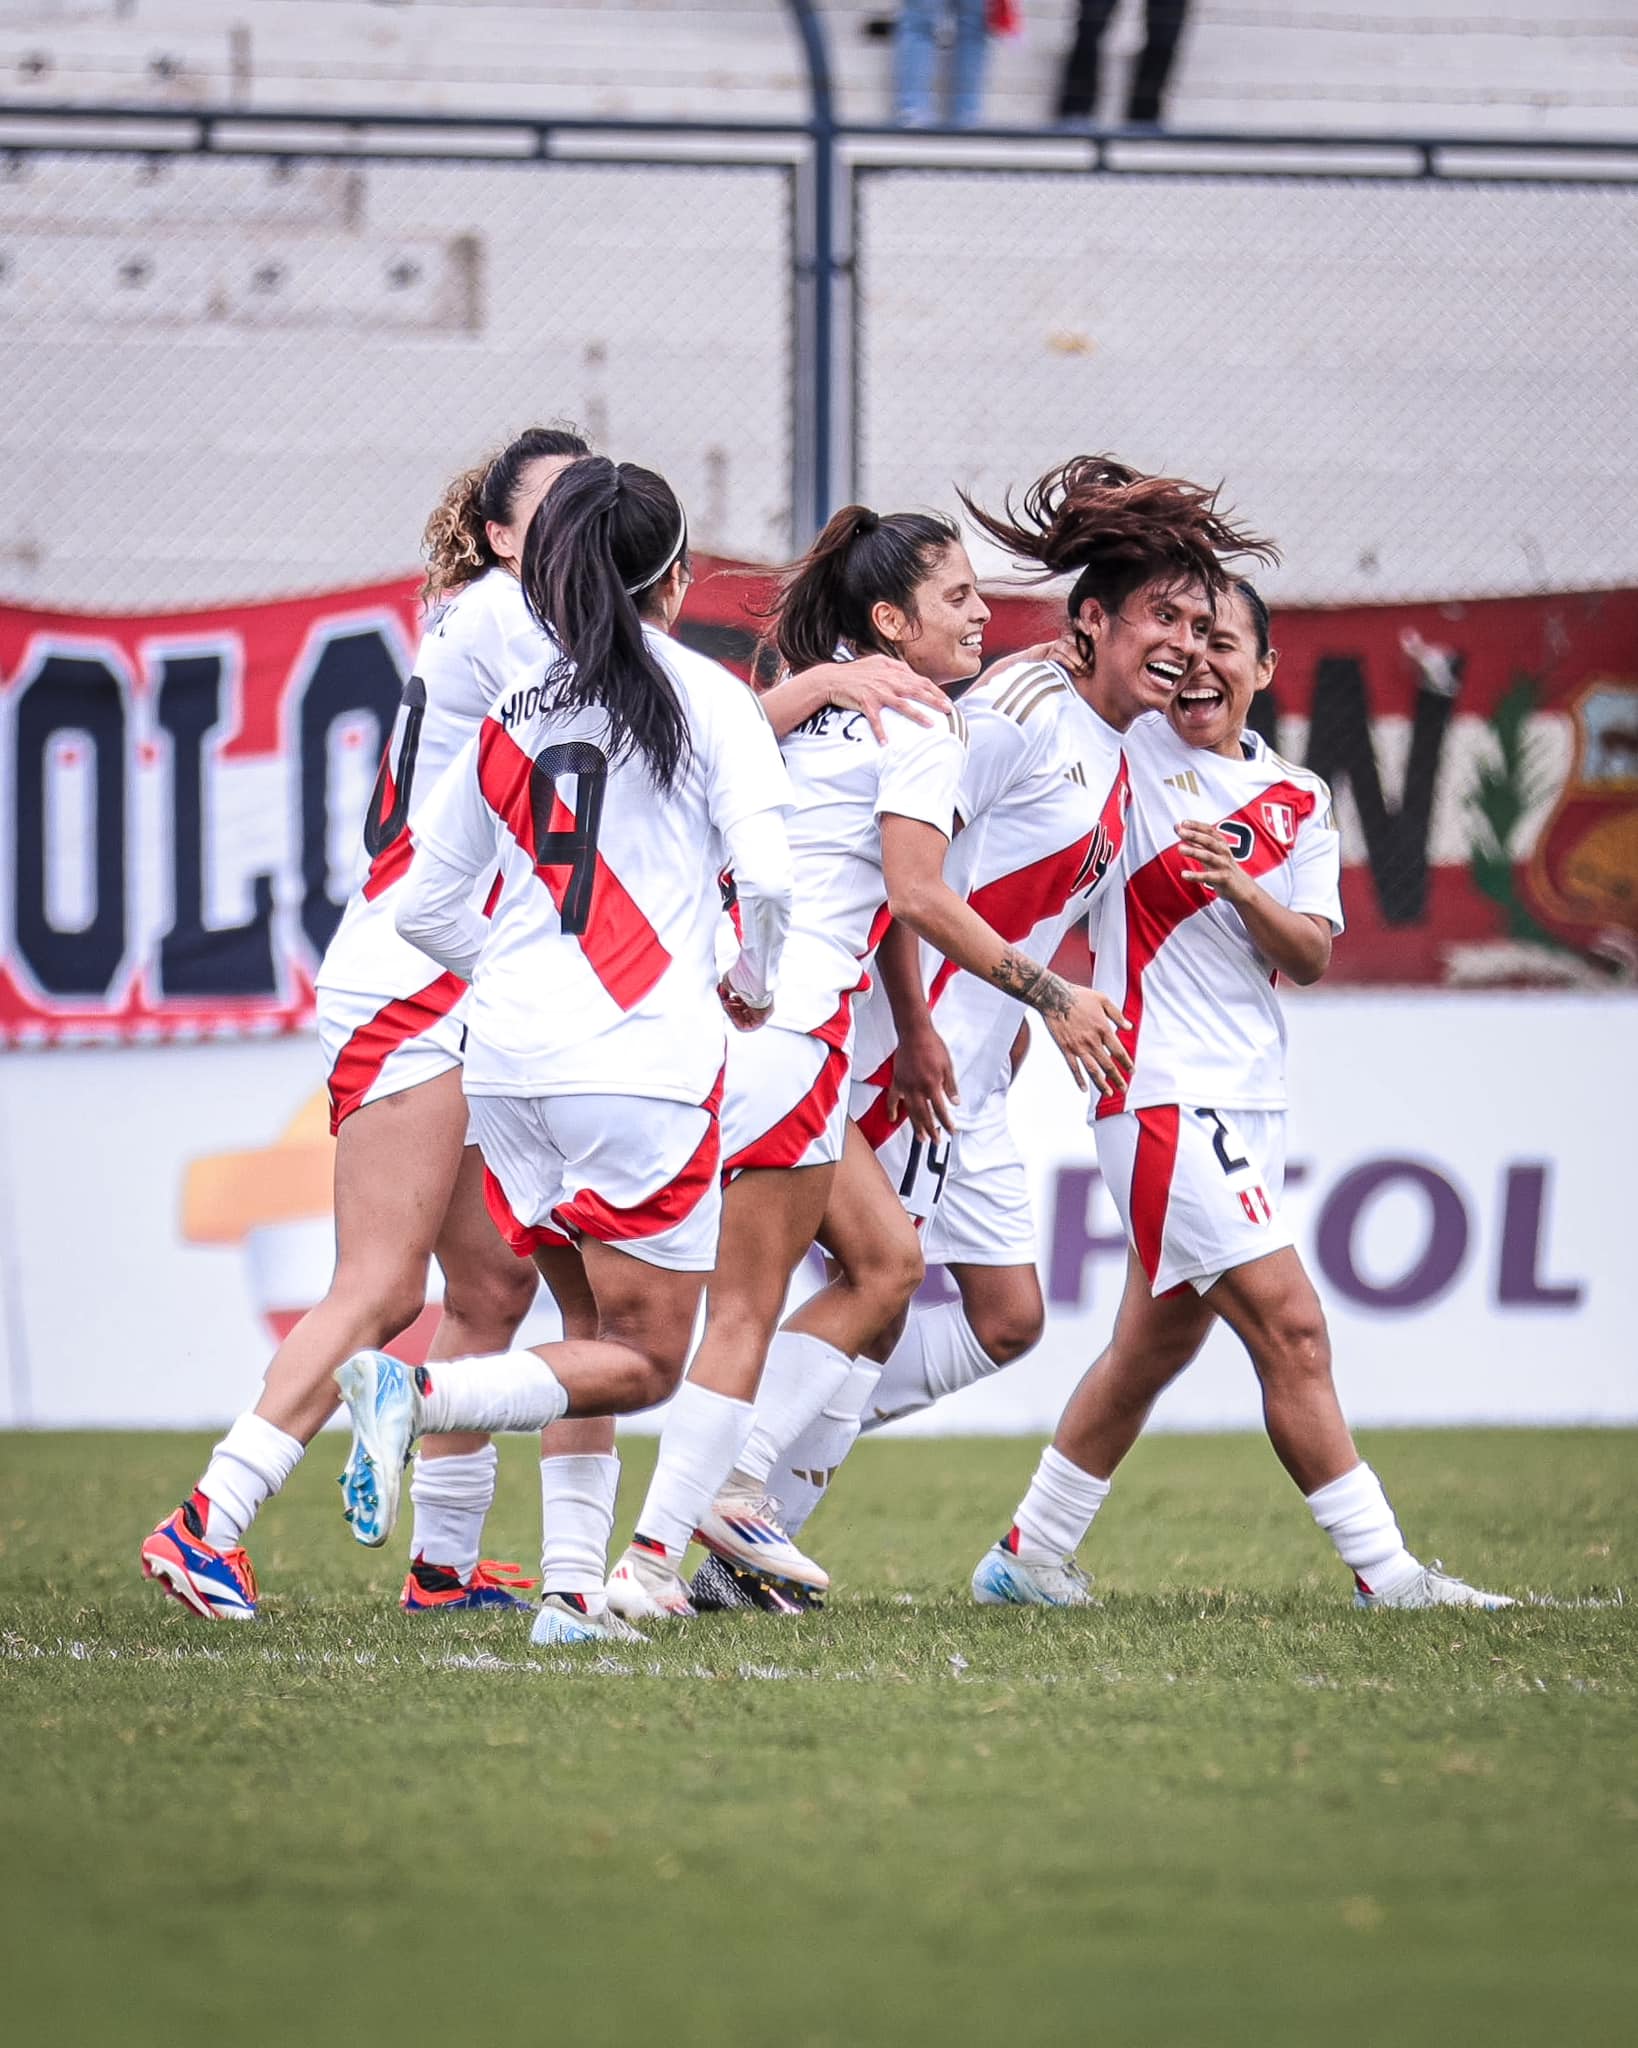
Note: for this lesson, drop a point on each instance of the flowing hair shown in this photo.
(861, 559)
(604, 538)
(1117, 530)
(456, 540)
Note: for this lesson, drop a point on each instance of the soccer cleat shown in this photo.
(1003, 1579)
(646, 1586)
(436, 1586)
(1431, 1586)
(573, 1618)
(380, 1396)
(718, 1588)
(218, 1584)
(742, 1527)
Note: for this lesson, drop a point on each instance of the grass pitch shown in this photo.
(1222, 1808)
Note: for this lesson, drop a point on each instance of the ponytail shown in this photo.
(862, 559)
(596, 554)
(456, 540)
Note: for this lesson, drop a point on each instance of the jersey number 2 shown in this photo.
(575, 848)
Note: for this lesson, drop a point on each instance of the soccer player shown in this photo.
(882, 588)
(408, 1186)
(1044, 803)
(612, 787)
(1230, 878)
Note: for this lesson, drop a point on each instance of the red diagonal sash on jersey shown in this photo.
(621, 945)
(394, 858)
(1158, 900)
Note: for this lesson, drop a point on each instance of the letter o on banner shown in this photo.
(1444, 1246)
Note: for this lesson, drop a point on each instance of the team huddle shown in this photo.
(656, 981)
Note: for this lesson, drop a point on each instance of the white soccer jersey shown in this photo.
(483, 640)
(844, 781)
(599, 972)
(1043, 800)
(1205, 1022)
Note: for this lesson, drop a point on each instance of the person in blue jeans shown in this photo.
(915, 61)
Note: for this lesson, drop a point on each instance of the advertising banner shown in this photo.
(182, 794)
(1456, 1168)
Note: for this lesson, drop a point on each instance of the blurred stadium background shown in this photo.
(270, 270)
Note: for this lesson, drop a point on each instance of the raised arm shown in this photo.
(1295, 941)
(871, 685)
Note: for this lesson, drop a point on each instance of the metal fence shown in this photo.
(243, 352)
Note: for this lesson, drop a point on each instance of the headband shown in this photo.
(648, 582)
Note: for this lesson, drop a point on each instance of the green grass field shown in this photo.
(1222, 1808)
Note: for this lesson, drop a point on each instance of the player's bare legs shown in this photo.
(1151, 1343)
(877, 1258)
(1271, 1306)
(769, 1218)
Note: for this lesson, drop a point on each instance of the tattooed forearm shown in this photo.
(1037, 986)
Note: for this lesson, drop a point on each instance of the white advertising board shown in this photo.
(1459, 1185)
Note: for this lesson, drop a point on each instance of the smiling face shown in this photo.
(944, 638)
(1211, 708)
(1144, 652)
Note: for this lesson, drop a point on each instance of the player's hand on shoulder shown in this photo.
(879, 682)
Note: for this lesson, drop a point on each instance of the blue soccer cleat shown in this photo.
(1002, 1579)
(436, 1588)
(218, 1584)
(380, 1396)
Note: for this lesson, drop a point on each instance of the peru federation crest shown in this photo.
(1281, 821)
(1584, 870)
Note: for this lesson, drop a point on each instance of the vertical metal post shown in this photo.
(816, 383)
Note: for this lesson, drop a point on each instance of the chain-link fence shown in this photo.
(228, 378)
(1423, 387)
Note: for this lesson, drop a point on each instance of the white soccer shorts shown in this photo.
(984, 1217)
(628, 1171)
(784, 1101)
(374, 1048)
(1197, 1189)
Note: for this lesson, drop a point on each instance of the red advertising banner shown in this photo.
(183, 792)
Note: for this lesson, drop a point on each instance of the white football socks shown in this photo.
(452, 1496)
(577, 1519)
(1354, 1512)
(510, 1390)
(703, 1437)
(801, 1376)
(937, 1355)
(251, 1462)
(812, 1462)
(1055, 1514)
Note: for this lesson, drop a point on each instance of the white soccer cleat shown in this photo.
(646, 1586)
(380, 1396)
(573, 1618)
(742, 1527)
(1432, 1587)
(1003, 1580)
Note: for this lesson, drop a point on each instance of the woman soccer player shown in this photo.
(408, 1186)
(1212, 908)
(612, 787)
(1045, 803)
(903, 583)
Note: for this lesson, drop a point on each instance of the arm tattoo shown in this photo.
(1037, 986)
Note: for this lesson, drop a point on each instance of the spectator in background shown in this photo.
(915, 60)
(1078, 93)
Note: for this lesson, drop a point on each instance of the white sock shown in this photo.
(509, 1390)
(1354, 1512)
(704, 1434)
(937, 1355)
(452, 1496)
(1055, 1514)
(251, 1462)
(802, 1374)
(577, 1519)
(805, 1471)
